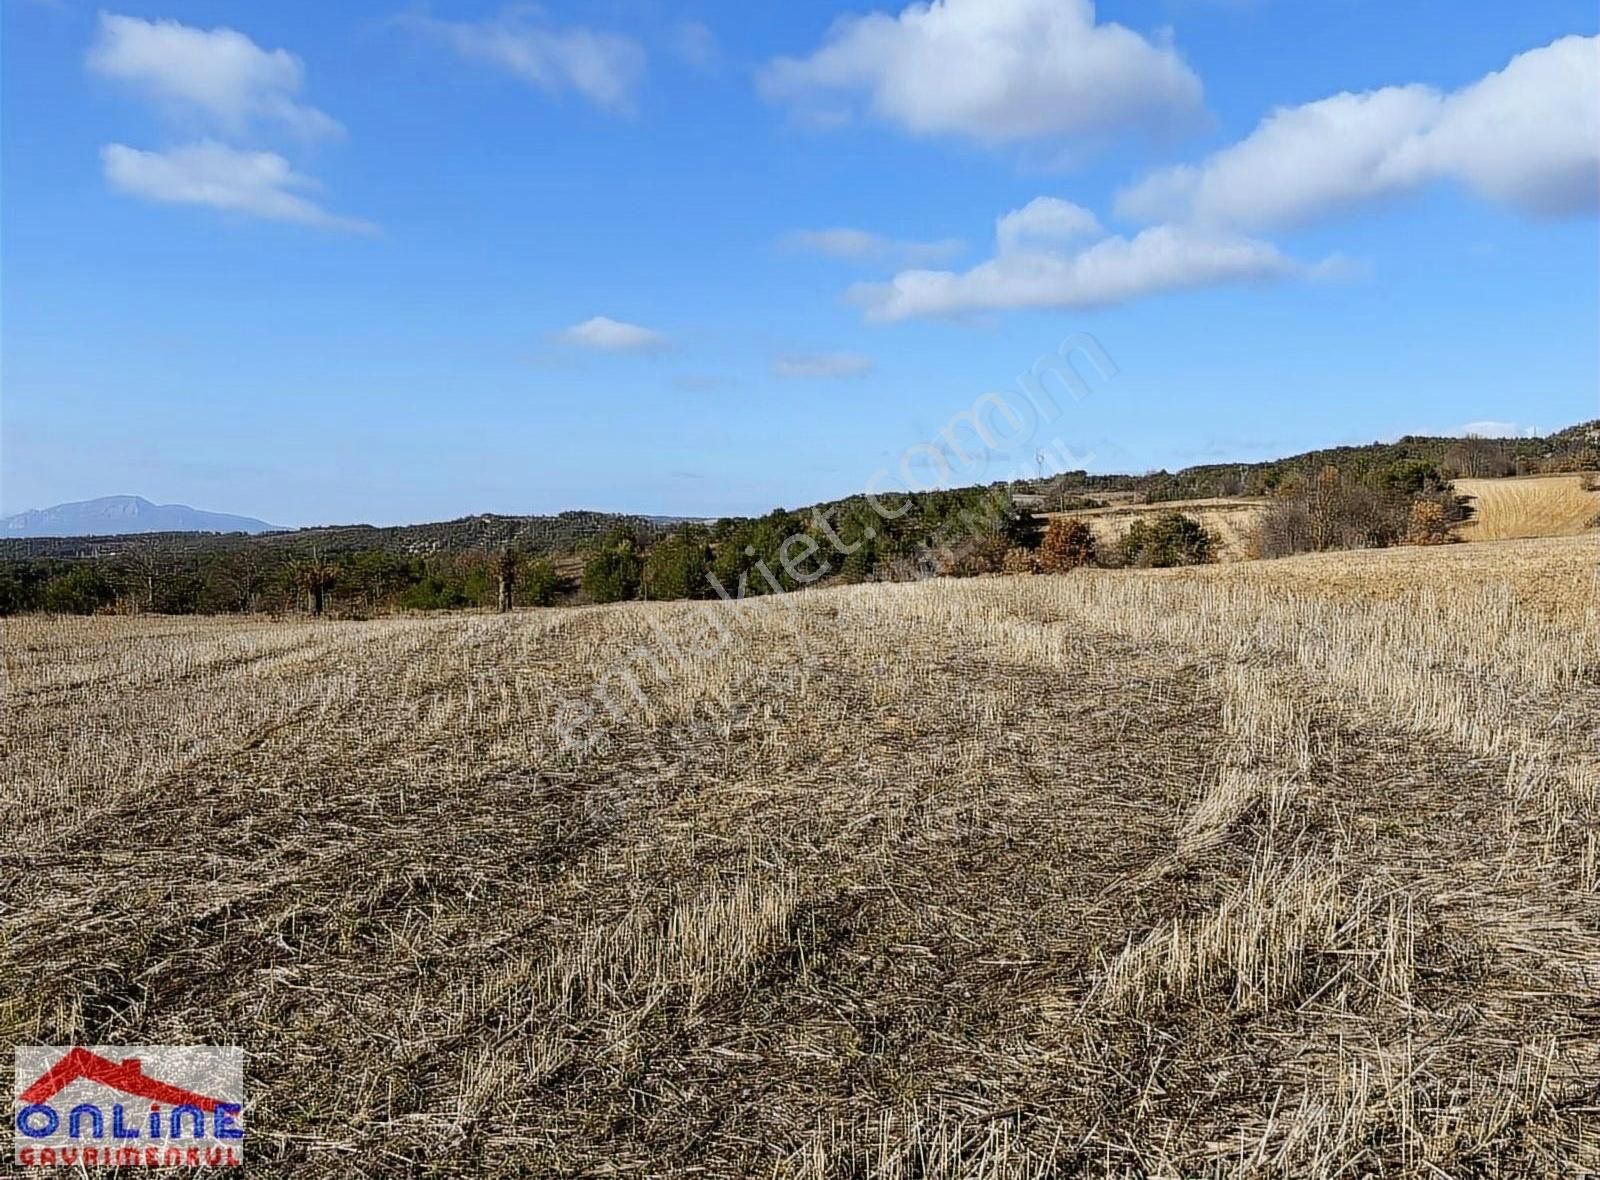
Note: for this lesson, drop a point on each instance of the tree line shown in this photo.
(258, 579)
(1573, 449)
(855, 539)
(1378, 497)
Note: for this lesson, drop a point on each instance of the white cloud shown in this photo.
(1043, 261)
(604, 334)
(826, 366)
(1527, 136)
(605, 68)
(696, 45)
(995, 71)
(223, 80)
(859, 245)
(221, 75)
(1044, 220)
(257, 184)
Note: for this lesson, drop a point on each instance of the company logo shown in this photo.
(157, 1106)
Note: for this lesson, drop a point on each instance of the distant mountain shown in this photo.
(122, 515)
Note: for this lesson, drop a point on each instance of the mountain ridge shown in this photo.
(125, 515)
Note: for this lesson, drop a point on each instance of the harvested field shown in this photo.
(1231, 520)
(1281, 869)
(1535, 506)
(1553, 578)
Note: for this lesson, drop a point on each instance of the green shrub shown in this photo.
(676, 567)
(1019, 526)
(611, 575)
(81, 590)
(541, 584)
(1169, 539)
(433, 592)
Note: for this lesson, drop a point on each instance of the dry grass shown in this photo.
(1283, 869)
(1537, 506)
(1553, 578)
(1286, 932)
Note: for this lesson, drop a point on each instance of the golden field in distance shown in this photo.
(1503, 509)
(1271, 869)
(1531, 506)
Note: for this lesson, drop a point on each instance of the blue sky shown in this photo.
(363, 261)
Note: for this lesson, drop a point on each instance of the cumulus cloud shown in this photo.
(995, 71)
(236, 90)
(220, 75)
(1527, 136)
(604, 334)
(256, 184)
(859, 245)
(1053, 254)
(604, 68)
(1043, 221)
(825, 366)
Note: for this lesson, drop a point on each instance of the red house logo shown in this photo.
(129, 1106)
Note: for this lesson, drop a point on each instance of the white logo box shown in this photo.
(128, 1105)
